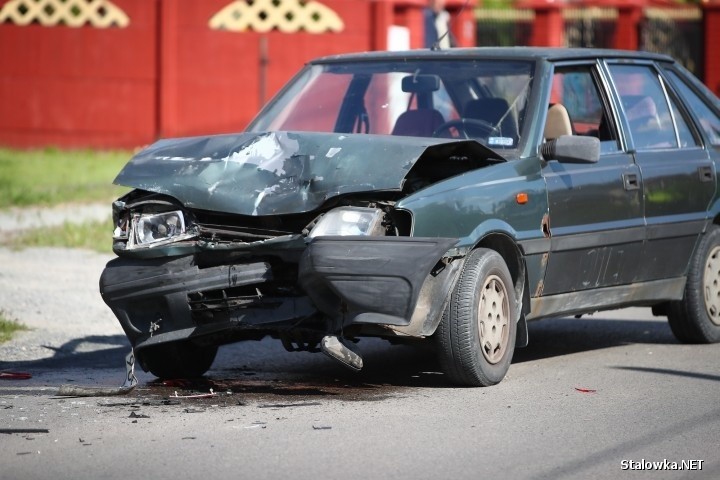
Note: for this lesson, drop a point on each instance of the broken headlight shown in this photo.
(154, 229)
(349, 221)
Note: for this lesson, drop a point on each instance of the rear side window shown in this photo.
(655, 122)
(709, 120)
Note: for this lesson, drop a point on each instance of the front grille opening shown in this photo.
(251, 227)
(211, 305)
(230, 299)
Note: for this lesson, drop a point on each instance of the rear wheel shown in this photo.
(177, 360)
(476, 336)
(696, 318)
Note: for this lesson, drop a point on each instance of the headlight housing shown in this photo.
(349, 221)
(154, 229)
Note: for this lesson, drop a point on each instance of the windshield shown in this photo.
(479, 99)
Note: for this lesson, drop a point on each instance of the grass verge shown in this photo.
(93, 235)
(50, 176)
(9, 327)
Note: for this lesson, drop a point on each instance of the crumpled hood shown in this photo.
(274, 173)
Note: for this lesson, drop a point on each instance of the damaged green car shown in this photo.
(449, 196)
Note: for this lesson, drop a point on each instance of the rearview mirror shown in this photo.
(571, 149)
(420, 83)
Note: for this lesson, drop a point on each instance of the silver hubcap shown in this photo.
(711, 283)
(493, 319)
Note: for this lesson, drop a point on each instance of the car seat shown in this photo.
(557, 122)
(418, 123)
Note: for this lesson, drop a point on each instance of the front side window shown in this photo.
(575, 89)
(478, 99)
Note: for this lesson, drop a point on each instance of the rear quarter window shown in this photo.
(709, 120)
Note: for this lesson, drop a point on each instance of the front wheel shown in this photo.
(696, 318)
(177, 359)
(476, 336)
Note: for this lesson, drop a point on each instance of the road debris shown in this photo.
(23, 430)
(256, 425)
(321, 427)
(289, 405)
(193, 410)
(128, 386)
(141, 402)
(198, 395)
(15, 376)
(585, 390)
(137, 415)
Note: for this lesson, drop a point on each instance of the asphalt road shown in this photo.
(586, 398)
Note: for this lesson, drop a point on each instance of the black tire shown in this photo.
(177, 360)
(476, 336)
(696, 318)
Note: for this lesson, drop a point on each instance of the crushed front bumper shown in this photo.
(346, 281)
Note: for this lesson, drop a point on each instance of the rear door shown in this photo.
(678, 177)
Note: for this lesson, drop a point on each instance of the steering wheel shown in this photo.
(462, 125)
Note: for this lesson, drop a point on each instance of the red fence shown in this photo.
(79, 86)
(164, 70)
(630, 21)
(121, 73)
(213, 80)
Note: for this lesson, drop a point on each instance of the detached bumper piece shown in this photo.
(333, 347)
(369, 280)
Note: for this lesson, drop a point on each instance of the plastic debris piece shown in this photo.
(199, 395)
(334, 348)
(128, 386)
(321, 427)
(23, 430)
(15, 376)
(289, 405)
(137, 415)
(585, 390)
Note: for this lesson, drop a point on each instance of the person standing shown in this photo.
(437, 25)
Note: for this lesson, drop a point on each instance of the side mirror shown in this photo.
(571, 149)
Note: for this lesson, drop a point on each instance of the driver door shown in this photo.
(595, 217)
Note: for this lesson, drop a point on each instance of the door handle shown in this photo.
(706, 173)
(630, 181)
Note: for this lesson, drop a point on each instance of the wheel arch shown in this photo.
(506, 247)
(716, 219)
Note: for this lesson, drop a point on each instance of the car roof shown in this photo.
(524, 53)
